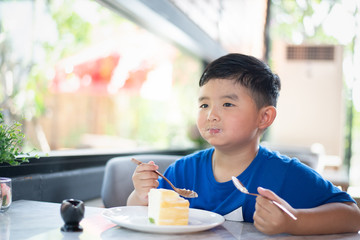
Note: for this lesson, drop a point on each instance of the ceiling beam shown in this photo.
(165, 20)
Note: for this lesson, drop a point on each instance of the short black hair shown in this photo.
(250, 72)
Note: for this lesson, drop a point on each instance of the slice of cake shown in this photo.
(166, 207)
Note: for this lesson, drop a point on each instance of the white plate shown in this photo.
(136, 218)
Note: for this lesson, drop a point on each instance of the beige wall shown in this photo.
(311, 103)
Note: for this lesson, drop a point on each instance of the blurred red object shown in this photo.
(92, 75)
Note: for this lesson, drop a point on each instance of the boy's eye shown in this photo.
(204, 105)
(228, 105)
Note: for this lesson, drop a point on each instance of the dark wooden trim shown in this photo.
(66, 162)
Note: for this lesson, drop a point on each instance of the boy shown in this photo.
(237, 103)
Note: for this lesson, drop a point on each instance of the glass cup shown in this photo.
(5, 192)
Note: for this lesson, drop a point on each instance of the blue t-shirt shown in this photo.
(296, 183)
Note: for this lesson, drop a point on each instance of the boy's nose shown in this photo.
(213, 115)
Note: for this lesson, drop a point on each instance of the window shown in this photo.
(79, 76)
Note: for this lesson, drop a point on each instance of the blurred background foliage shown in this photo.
(133, 120)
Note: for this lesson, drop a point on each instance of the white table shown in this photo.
(41, 220)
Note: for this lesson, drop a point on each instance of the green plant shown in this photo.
(11, 143)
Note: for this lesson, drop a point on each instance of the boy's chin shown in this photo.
(219, 145)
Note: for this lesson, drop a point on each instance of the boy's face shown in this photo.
(228, 116)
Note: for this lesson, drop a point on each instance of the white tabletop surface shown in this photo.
(41, 220)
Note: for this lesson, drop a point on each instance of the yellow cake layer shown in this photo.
(169, 204)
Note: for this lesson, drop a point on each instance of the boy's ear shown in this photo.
(267, 116)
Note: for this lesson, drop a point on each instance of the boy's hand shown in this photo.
(144, 179)
(268, 218)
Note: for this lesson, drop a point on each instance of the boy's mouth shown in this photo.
(214, 130)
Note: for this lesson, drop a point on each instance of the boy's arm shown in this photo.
(326, 219)
(134, 200)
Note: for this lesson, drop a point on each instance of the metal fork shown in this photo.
(243, 189)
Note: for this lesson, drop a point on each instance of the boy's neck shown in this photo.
(227, 164)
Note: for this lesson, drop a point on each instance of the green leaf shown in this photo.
(11, 143)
